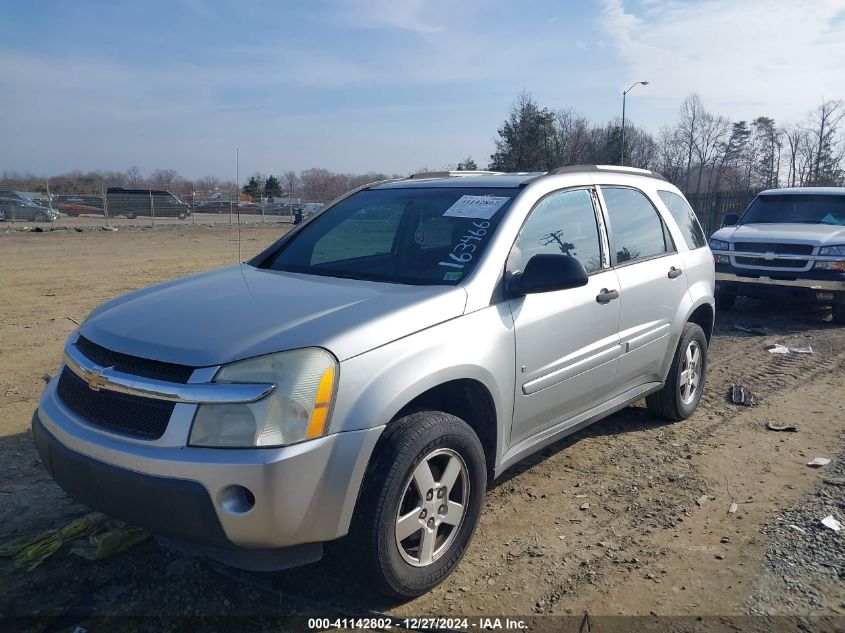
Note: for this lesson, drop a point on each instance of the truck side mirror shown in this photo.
(730, 219)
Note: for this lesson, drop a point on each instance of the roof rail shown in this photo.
(610, 168)
(452, 174)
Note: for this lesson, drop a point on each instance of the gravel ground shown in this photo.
(806, 560)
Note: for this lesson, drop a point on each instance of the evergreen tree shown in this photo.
(272, 187)
(253, 187)
(527, 139)
(467, 164)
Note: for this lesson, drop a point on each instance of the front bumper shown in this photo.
(304, 493)
(813, 285)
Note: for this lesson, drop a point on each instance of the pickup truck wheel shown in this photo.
(420, 502)
(725, 300)
(839, 313)
(685, 382)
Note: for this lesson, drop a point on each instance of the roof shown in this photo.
(487, 181)
(805, 191)
(499, 180)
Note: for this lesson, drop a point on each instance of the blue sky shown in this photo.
(380, 85)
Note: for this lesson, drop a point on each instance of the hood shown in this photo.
(817, 234)
(240, 312)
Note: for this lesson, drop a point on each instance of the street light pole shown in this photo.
(622, 140)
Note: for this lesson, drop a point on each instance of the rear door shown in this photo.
(652, 283)
(567, 343)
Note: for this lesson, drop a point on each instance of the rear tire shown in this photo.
(419, 504)
(839, 313)
(131, 216)
(680, 394)
(725, 300)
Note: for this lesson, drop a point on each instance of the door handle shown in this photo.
(607, 295)
(675, 272)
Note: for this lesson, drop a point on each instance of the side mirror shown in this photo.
(730, 219)
(546, 273)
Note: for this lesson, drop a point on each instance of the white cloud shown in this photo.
(757, 57)
(417, 16)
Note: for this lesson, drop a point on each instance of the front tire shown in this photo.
(420, 503)
(680, 394)
(40, 216)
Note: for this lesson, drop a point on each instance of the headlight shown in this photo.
(297, 410)
(719, 245)
(832, 251)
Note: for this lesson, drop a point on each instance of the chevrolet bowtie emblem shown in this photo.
(95, 380)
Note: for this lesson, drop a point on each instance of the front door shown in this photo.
(567, 342)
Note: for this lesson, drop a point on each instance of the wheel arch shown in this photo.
(467, 399)
(704, 316)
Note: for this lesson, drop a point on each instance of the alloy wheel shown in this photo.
(432, 508)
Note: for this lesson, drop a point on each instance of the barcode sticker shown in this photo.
(475, 207)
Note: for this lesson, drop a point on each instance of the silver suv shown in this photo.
(789, 244)
(377, 367)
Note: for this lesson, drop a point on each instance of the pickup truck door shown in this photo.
(567, 342)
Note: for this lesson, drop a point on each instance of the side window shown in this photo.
(636, 228)
(562, 223)
(685, 218)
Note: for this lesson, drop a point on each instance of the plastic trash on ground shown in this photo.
(818, 462)
(831, 523)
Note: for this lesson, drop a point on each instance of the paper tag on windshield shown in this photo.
(475, 207)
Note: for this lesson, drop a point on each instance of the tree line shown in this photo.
(701, 151)
(311, 185)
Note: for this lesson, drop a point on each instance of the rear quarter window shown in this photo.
(685, 218)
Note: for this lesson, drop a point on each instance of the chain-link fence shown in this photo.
(126, 205)
(147, 206)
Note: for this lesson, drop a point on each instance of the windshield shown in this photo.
(796, 209)
(413, 236)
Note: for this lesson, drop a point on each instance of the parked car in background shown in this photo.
(214, 206)
(17, 195)
(225, 206)
(145, 202)
(789, 244)
(14, 208)
(371, 371)
(278, 208)
(81, 205)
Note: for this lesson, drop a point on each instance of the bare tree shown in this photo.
(321, 185)
(290, 181)
(134, 176)
(690, 116)
(163, 178)
(822, 126)
(208, 184)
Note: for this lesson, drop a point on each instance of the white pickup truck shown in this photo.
(789, 244)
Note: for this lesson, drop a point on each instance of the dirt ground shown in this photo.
(629, 517)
